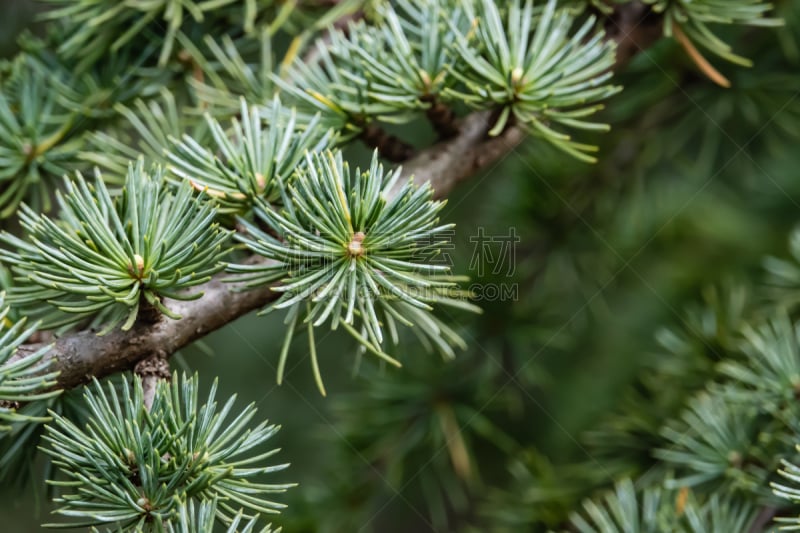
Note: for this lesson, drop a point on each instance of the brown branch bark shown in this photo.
(152, 370)
(82, 355)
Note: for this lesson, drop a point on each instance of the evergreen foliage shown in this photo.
(107, 26)
(201, 518)
(142, 475)
(22, 380)
(695, 17)
(35, 130)
(345, 251)
(148, 127)
(252, 164)
(408, 60)
(542, 76)
(657, 510)
(414, 419)
(109, 257)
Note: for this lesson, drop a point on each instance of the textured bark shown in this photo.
(446, 164)
(634, 27)
(152, 370)
(80, 356)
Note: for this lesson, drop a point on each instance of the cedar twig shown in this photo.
(152, 370)
(82, 355)
(389, 146)
(442, 117)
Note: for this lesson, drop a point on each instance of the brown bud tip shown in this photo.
(516, 75)
(355, 247)
(426, 79)
(136, 269)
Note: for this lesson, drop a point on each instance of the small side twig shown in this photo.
(149, 314)
(10, 404)
(764, 518)
(442, 117)
(634, 26)
(81, 355)
(151, 370)
(389, 146)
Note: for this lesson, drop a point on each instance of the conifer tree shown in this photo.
(170, 166)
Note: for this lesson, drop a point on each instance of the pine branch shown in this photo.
(446, 164)
(83, 355)
(79, 356)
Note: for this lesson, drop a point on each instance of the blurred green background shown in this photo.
(695, 185)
